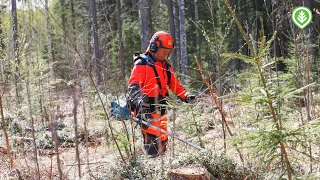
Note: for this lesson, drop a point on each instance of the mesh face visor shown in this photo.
(171, 52)
(164, 53)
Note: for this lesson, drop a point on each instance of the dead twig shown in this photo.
(217, 104)
(4, 127)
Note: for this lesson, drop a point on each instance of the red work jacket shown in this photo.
(143, 74)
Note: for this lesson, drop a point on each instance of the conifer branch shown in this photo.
(257, 62)
(241, 29)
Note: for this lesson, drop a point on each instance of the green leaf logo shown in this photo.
(302, 16)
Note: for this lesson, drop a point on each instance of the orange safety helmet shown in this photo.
(160, 39)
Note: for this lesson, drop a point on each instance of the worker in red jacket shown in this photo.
(150, 79)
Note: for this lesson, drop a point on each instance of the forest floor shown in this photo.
(101, 158)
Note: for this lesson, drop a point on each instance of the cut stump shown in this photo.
(189, 173)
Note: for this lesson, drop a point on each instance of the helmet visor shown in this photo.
(163, 53)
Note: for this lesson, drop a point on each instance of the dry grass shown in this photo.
(104, 159)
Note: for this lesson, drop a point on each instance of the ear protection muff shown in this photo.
(153, 45)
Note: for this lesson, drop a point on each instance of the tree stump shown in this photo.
(189, 173)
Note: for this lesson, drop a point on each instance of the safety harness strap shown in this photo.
(163, 91)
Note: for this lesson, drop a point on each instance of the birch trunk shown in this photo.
(183, 41)
(177, 33)
(96, 59)
(172, 31)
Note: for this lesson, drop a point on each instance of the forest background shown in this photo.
(62, 62)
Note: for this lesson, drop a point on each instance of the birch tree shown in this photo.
(175, 9)
(172, 30)
(96, 59)
(183, 40)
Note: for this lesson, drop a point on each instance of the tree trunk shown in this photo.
(245, 49)
(308, 95)
(235, 62)
(52, 79)
(96, 60)
(123, 11)
(144, 20)
(280, 66)
(121, 48)
(63, 20)
(27, 58)
(16, 50)
(73, 19)
(35, 152)
(85, 124)
(87, 26)
(173, 59)
(172, 31)
(49, 42)
(55, 140)
(196, 19)
(73, 16)
(1, 54)
(76, 94)
(177, 33)
(151, 4)
(183, 41)
(189, 172)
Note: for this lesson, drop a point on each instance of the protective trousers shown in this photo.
(155, 141)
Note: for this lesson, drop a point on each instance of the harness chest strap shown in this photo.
(163, 91)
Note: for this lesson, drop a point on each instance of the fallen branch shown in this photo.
(23, 139)
(81, 164)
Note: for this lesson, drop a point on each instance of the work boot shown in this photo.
(150, 149)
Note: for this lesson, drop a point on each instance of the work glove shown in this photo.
(190, 98)
(143, 112)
